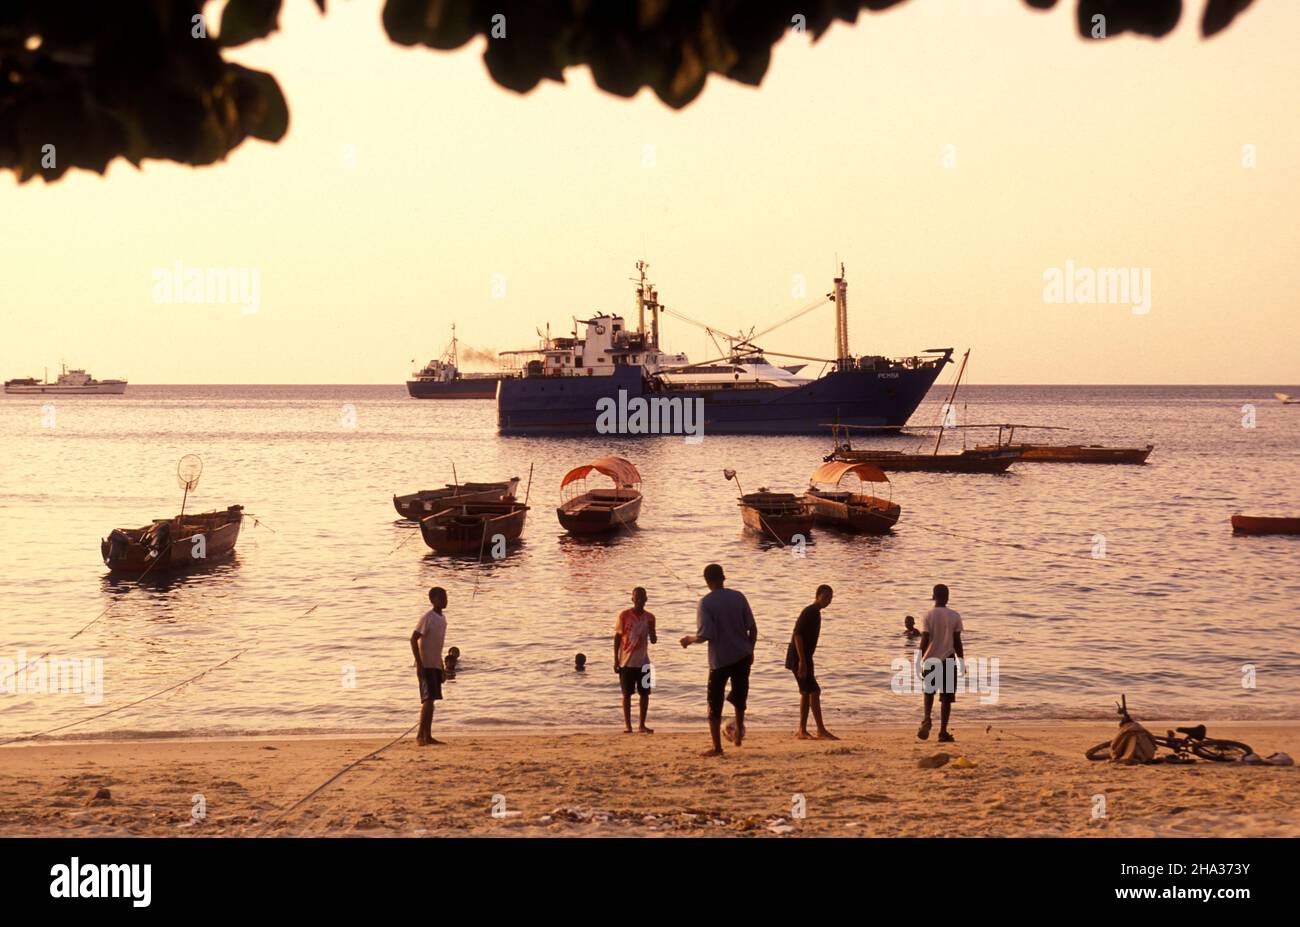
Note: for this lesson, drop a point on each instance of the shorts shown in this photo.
(634, 679)
(940, 677)
(738, 675)
(808, 684)
(431, 684)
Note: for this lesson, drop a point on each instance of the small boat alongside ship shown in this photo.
(860, 511)
(1260, 524)
(417, 505)
(169, 544)
(473, 527)
(442, 379)
(1286, 400)
(600, 511)
(75, 382)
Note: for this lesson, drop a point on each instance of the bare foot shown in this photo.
(802, 735)
(433, 741)
(824, 734)
(645, 730)
(628, 729)
(711, 753)
(422, 741)
(740, 734)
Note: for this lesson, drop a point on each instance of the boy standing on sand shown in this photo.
(634, 632)
(426, 643)
(726, 623)
(940, 650)
(799, 660)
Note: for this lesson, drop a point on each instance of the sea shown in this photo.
(1076, 584)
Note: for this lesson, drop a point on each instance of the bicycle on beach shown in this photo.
(1193, 740)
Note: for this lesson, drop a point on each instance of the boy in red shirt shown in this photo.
(634, 631)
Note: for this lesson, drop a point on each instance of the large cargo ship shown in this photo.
(70, 382)
(617, 380)
(442, 379)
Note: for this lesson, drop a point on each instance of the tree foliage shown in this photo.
(83, 82)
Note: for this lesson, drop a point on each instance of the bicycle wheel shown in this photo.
(1221, 751)
(1099, 752)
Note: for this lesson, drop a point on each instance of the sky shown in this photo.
(955, 156)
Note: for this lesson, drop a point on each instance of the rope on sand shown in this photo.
(111, 711)
(346, 769)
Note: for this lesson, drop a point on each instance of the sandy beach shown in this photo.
(1028, 779)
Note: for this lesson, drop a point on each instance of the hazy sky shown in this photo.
(409, 179)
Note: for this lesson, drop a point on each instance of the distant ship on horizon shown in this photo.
(442, 379)
(740, 392)
(70, 382)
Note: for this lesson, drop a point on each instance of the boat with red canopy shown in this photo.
(858, 511)
(599, 511)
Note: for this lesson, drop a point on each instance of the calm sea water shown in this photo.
(324, 591)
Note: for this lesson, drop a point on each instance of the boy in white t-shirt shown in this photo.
(940, 649)
(426, 643)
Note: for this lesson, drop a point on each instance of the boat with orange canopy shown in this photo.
(858, 511)
(599, 511)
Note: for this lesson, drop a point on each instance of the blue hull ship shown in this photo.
(616, 380)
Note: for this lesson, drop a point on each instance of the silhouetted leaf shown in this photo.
(245, 20)
(1219, 14)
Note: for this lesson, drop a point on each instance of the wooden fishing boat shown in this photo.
(1286, 400)
(1076, 453)
(420, 504)
(850, 511)
(179, 543)
(1259, 524)
(967, 461)
(782, 516)
(473, 527)
(599, 511)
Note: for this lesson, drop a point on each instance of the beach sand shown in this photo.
(1029, 779)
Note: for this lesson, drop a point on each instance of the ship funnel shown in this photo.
(842, 353)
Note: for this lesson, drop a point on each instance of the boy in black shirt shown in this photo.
(799, 660)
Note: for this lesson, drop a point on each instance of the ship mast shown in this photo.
(453, 346)
(843, 357)
(951, 396)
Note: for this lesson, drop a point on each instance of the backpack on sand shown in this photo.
(1133, 744)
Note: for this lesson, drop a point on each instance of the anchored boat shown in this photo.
(1259, 524)
(614, 377)
(474, 527)
(442, 379)
(179, 543)
(420, 504)
(70, 382)
(782, 516)
(858, 511)
(599, 511)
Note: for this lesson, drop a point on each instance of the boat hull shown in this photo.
(858, 514)
(53, 389)
(475, 388)
(126, 552)
(1081, 453)
(1257, 524)
(965, 462)
(473, 527)
(600, 512)
(417, 505)
(574, 404)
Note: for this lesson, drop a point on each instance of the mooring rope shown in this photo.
(111, 711)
